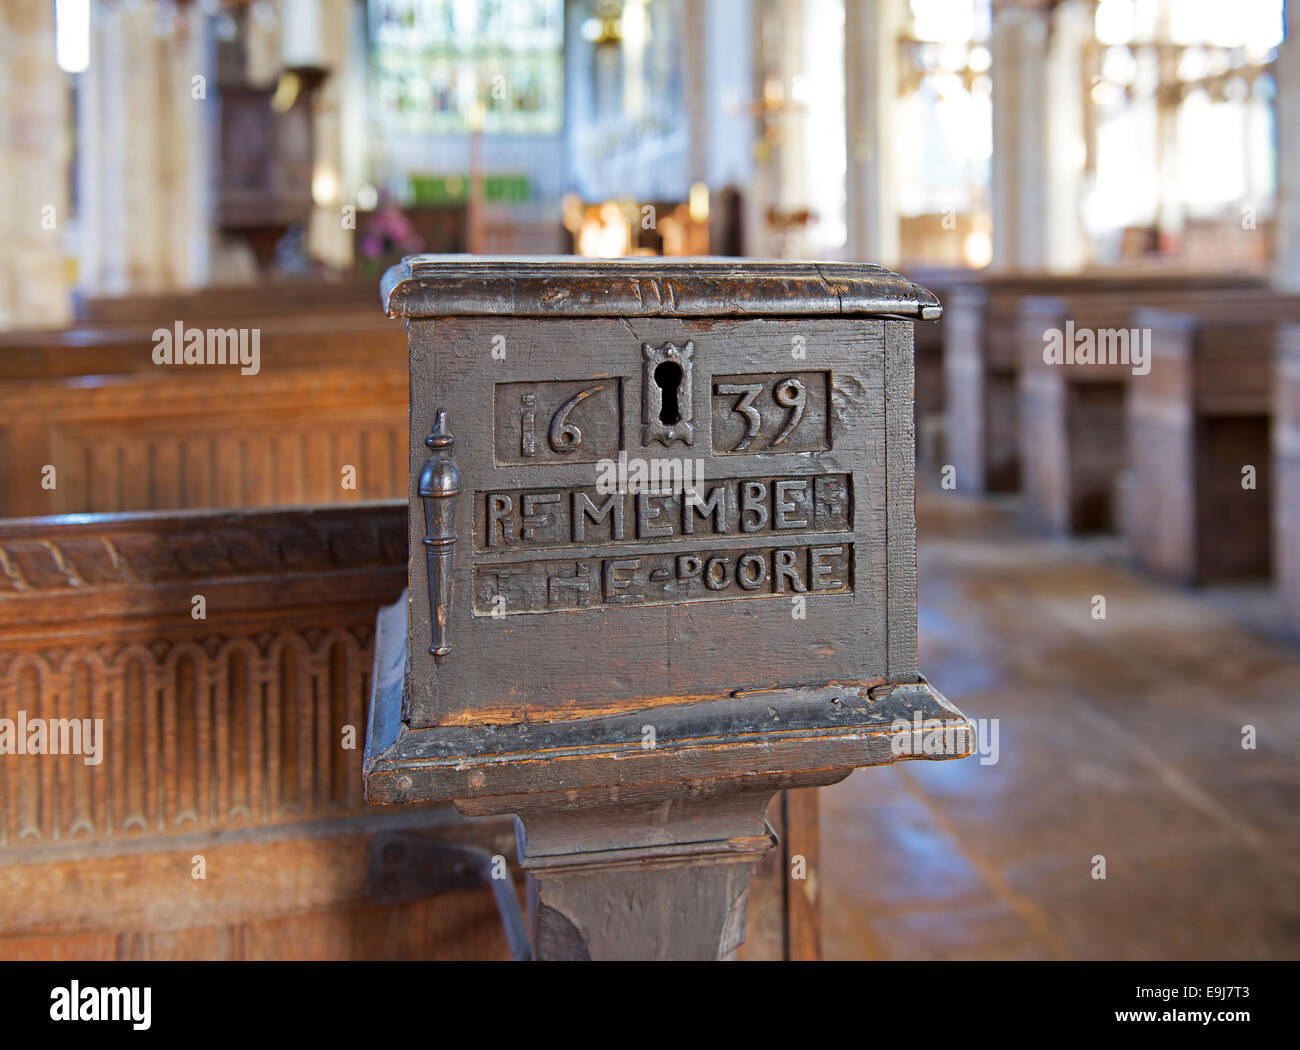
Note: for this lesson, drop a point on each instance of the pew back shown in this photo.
(281, 297)
(123, 433)
(982, 355)
(223, 817)
(1200, 440)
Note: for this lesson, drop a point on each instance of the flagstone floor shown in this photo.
(1118, 739)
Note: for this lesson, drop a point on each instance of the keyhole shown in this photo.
(668, 377)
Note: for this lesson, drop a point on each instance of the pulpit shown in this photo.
(663, 565)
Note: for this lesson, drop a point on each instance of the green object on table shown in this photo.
(454, 189)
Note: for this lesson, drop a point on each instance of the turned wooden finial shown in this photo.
(439, 488)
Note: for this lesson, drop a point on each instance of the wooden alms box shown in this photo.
(661, 515)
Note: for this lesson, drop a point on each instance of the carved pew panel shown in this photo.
(231, 720)
(230, 725)
(223, 738)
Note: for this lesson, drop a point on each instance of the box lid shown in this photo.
(573, 286)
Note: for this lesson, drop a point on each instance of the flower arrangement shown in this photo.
(388, 236)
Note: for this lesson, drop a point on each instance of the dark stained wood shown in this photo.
(642, 771)
(475, 286)
(843, 639)
(224, 738)
(266, 156)
(767, 915)
(1074, 415)
(250, 699)
(287, 342)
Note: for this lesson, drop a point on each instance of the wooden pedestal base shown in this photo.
(659, 879)
(642, 845)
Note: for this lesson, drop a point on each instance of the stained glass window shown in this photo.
(444, 66)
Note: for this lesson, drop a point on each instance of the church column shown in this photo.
(33, 168)
(322, 34)
(188, 127)
(695, 67)
(146, 119)
(1286, 272)
(1038, 138)
(1019, 136)
(1067, 151)
(136, 148)
(871, 32)
(791, 157)
(768, 93)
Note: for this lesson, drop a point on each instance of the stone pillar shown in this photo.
(1019, 137)
(33, 169)
(329, 240)
(791, 154)
(1071, 28)
(695, 68)
(780, 150)
(146, 123)
(1038, 136)
(1286, 273)
(355, 143)
(187, 162)
(871, 32)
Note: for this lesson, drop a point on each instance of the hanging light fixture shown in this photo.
(604, 28)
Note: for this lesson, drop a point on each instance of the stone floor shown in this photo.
(1118, 738)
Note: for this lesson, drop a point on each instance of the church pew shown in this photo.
(1071, 419)
(231, 746)
(225, 745)
(287, 341)
(927, 348)
(123, 433)
(1073, 415)
(1286, 469)
(1196, 424)
(982, 358)
(230, 302)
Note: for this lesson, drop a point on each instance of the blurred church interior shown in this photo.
(1112, 165)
